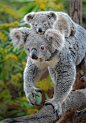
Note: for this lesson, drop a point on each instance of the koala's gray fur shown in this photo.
(62, 67)
(41, 21)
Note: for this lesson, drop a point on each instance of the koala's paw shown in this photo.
(57, 108)
(30, 95)
(56, 38)
(48, 34)
(83, 78)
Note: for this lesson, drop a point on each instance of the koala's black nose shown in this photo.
(39, 29)
(34, 54)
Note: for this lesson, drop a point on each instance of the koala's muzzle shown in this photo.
(40, 29)
(34, 54)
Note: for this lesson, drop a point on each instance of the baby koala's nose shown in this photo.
(40, 29)
(34, 54)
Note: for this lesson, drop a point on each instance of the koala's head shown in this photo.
(35, 45)
(41, 21)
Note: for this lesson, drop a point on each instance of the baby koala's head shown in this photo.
(35, 45)
(41, 21)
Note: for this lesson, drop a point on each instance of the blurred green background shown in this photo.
(13, 101)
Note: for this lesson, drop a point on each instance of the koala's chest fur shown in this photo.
(42, 65)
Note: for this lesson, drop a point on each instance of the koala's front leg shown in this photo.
(31, 76)
(64, 73)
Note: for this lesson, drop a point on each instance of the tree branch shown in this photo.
(75, 101)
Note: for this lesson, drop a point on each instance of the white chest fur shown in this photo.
(45, 64)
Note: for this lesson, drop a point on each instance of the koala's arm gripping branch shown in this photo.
(64, 81)
(31, 77)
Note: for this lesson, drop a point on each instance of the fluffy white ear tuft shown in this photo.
(28, 17)
(17, 38)
(52, 15)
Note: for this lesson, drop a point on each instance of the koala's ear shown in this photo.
(17, 38)
(28, 17)
(65, 25)
(52, 15)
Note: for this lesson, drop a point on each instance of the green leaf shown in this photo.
(4, 93)
(17, 114)
(18, 67)
(4, 74)
(35, 9)
(21, 1)
(46, 95)
(51, 83)
(39, 99)
(8, 100)
(48, 79)
(26, 8)
(5, 43)
(6, 32)
(4, 116)
(19, 51)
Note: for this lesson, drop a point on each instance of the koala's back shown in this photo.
(76, 45)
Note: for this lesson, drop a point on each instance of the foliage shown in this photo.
(40, 5)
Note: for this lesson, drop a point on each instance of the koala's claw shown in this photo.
(83, 78)
(34, 92)
(38, 90)
(46, 103)
(37, 104)
(73, 89)
(56, 108)
(57, 112)
(32, 100)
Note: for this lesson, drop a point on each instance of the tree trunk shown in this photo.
(76, 11)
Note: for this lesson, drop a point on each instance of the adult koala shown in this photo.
(52, 51)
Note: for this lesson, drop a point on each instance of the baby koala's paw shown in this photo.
(56, 38)
(57, 108)
(30, 95)
(49, 34)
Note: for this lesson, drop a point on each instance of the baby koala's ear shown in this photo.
(52, 15)
(17, 38)
(28, 17)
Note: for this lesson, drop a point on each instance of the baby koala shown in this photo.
(41, 21)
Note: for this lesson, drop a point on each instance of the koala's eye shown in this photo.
(42, 47)
(35, 24)
(28, 49)
(49, 17)
(45, 24)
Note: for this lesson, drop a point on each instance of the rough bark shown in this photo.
(75, 101)
(76, 11)
(74, 117)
